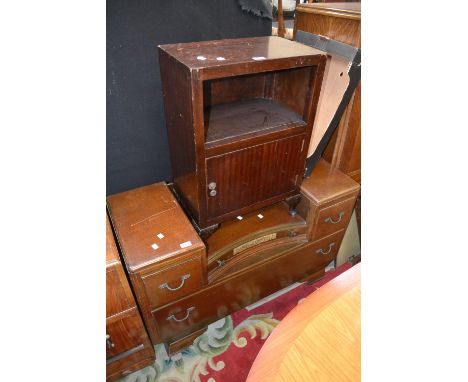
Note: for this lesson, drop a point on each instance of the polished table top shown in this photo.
(319, 340)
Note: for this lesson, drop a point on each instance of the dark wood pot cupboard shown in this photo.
(239, 116)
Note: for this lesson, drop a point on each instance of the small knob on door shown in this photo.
(213, 193)
(211, 185)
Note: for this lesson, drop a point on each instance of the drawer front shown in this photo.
(128, 362)
(257, 242)
(173, 282)
(125, 334)
(332, 219)
(184, 316)
(254, 255)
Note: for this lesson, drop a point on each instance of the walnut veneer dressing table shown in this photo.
(183, 284)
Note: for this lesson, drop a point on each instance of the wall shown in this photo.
(350, 246)
(137, 149)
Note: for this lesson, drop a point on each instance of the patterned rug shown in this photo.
(226, 351)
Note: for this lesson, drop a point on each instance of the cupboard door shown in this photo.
(244, 177)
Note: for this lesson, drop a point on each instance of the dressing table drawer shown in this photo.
(332, 219)
(325, 249)
(243, 287)
(173, 281)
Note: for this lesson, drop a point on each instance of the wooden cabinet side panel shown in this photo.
(118, 294)
(176, 86)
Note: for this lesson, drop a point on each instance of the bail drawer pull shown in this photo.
(182, 282)
(322, 252)
(173, 317)
(330, 220)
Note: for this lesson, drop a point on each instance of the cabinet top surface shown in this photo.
(218, 53)
(326, 183)
(150, 226)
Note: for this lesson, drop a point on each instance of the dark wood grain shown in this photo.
(329, 219)
(292, 88)
(242, 119)
(231, 89)
(256, 255)
(236, 52)
(270, 230)
(177, 95)
(251, 175)
(140, 215)
(118, 294)
(125, 334)
(255, 282)
(173, 281)
(128, 346)
(328, 200)
(235, 232)
(326, 183)
(132, 362)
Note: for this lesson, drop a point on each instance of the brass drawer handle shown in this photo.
(322, 252)
(330, 220)
(173, 317)
(182, 282)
